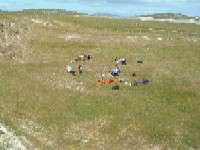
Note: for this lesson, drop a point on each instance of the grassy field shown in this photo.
(55, 110)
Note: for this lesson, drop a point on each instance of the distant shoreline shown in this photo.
(151, 17)
(187, 21)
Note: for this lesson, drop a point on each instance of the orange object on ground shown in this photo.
(102, 81)
(105, 82)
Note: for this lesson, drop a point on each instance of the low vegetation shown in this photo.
(49, 108)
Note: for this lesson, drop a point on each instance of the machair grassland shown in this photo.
(51, 109)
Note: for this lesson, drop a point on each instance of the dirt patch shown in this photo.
(68, 37)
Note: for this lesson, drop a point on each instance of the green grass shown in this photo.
(164, 113)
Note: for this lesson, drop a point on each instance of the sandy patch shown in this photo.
(67, 37)
(44, 23)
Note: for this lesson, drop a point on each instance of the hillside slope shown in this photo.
(48, 108)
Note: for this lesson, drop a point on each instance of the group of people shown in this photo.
(83, 57)
(120, 61)
(69, 69)
(113, 72)
(80, 69)
(133, 83)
